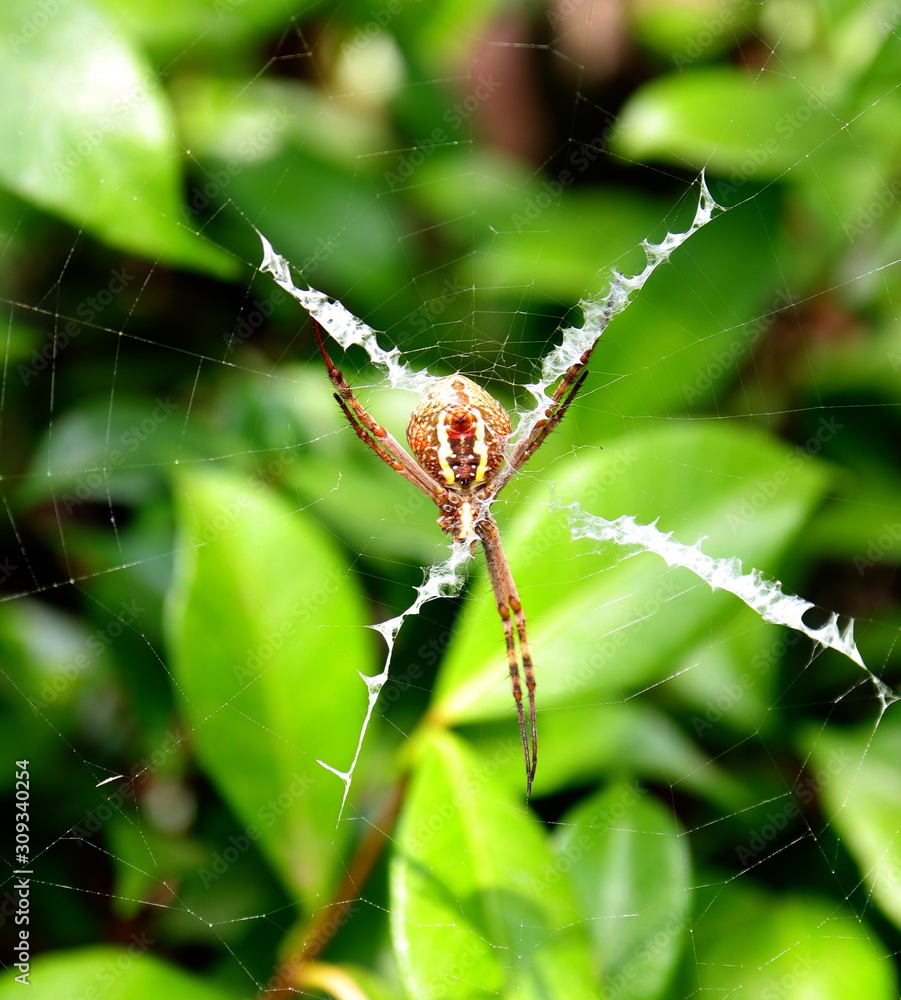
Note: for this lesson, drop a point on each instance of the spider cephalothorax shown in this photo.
(458, 434)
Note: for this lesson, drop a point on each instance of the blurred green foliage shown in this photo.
(194, 545)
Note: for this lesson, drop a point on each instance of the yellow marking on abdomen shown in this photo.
(444, 451)
(480, 450)
(475, 439)
(465, 522)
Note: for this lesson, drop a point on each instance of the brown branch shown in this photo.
(312, 940)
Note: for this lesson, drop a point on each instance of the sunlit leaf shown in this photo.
(630, 870)
(470, 908)
(260, 602)
(787, 947)
(89, 135)
(107, 973)
(728, 120)
(857, 775)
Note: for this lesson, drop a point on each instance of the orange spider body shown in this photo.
(458, 434)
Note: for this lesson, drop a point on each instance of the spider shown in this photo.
(458, 434)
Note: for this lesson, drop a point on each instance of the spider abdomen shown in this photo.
(458, 433)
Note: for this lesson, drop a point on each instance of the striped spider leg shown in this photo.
(458, 434)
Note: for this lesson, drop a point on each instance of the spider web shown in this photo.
(762, 595)
(172, 459)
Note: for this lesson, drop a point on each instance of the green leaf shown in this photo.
(89, 135)
(470, 908)
(342, 980)
(684, 33)
(727, 120)
(734, 680)
(55, 672)
(515, 210)
(55, 659)
(856, 774)
(696, 323)
(259, 607)
(630, 870)
(100, 456)
(791, 948)
(172, 26)
(601, 627)
(106, 973)
(632, 737)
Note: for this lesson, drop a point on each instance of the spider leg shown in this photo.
(565, 393)
(373, 434)
(529, 672)
(367, 429)
(553, 415)
(369, 435)
(510, 611)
